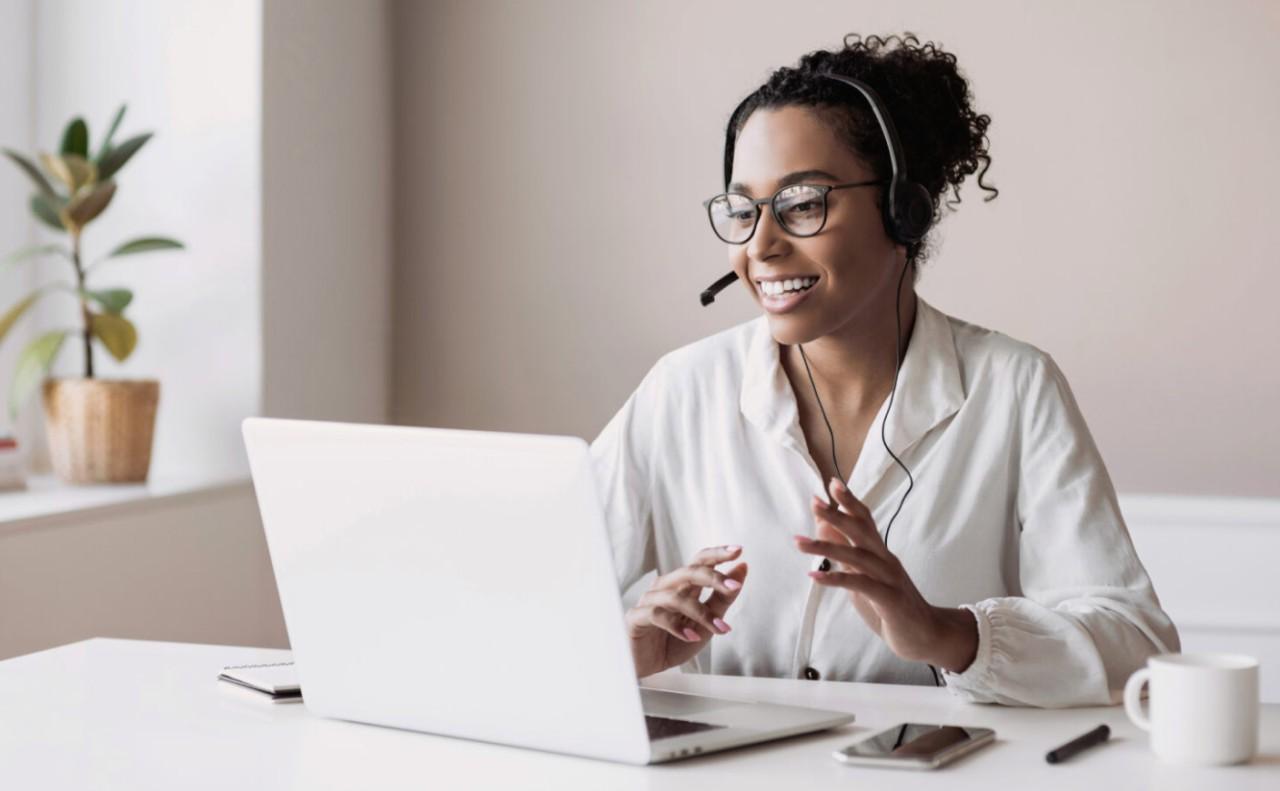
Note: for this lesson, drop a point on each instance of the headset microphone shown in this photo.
(709, 295)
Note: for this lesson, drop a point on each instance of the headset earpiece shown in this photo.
(910, 211)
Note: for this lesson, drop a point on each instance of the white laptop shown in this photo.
(461, 583)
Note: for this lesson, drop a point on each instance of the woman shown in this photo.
(1010, 576)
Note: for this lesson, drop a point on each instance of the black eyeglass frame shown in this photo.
(756, 203)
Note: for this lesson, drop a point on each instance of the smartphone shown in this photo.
(913, 745)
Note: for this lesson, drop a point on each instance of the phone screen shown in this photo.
(914, 741)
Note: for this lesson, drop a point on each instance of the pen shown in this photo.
(1096, 736)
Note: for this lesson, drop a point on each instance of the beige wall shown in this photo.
(326, 209)
(551, 158)
(191, 567)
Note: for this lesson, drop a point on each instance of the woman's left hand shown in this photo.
(880, 588)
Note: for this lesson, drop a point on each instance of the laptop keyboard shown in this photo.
(665, 728)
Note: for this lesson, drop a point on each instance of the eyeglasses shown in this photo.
(800, 210)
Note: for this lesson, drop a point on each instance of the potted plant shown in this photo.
(99, 430)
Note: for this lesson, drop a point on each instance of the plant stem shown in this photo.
(84, 306)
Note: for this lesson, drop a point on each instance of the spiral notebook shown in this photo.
(277, 681)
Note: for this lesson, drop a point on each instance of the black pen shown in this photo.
(1096, 736)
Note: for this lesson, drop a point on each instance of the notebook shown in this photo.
(278, 681)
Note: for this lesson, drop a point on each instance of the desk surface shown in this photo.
(138, 715)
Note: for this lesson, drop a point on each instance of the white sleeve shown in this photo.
(623, 456)
(1088, 616)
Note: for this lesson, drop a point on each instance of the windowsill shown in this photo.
(48, 496)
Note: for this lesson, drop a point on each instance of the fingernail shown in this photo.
(802, 539)
(691, 635)
(721, 625)
(732, 547)
(817, 575)
(732, 584)
(838, 484)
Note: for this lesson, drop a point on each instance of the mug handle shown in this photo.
(1133, 700)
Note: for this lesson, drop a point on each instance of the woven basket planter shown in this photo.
(100, 430)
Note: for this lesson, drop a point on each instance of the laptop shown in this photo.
(461, 583)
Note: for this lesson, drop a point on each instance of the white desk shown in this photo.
(138, 715)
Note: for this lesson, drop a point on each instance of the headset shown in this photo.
(907, 212)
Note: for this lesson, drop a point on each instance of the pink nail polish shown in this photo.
(732, 584)
(721, 625)
(692, 635)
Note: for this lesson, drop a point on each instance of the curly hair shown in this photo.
(943, 139)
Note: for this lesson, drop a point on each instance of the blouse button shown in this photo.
(826, 565)
(811, 674)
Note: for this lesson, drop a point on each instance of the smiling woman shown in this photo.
(1012, 571)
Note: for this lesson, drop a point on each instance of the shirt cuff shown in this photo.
(976, 677)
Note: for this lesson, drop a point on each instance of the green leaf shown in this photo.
(32, 252)
(75, 140)
(111, 133)
(112, 300)
(116, 333)
(88, 205)
(145, 244)
(115, 157)
(32, 171)
(48, 209)
(14, 313)
(32, 365)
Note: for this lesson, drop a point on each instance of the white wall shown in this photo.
(16, 122)
(553, 157)
(191, 72)
(1212, 562)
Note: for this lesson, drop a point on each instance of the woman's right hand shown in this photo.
(670, 624)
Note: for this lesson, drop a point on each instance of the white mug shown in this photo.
(1204, 707)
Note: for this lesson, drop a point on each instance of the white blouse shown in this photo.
(1013, 515)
